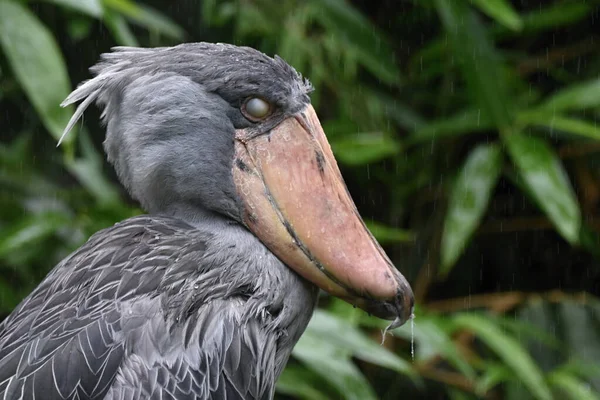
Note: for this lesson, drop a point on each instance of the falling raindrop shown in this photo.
(412, 337)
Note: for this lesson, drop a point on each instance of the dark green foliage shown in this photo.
(467, 132)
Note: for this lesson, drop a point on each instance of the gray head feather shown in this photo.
(171, 115)
(215, 66)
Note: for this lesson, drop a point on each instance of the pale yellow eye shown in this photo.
(256, 109)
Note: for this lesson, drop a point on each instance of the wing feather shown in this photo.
(228, 357)
(136, 313)
(64, 341)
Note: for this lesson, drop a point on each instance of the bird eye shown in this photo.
(256, 109)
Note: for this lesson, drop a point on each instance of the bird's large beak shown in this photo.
(296, 203)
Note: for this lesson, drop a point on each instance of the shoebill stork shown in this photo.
(205, 296)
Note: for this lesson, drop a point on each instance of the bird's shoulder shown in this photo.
(127, 259)
(72, 322)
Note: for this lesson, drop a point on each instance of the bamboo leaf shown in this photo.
(364, 148)
(30, 231)
(433, 340)
(146, 17)
(580, 331)
(38, 66)
(585, 370)
(92, 8)
(465, 122)
(562, 123)
(88, 170)
(574, 388)
(546, 180)
(342, 335)
(301, 382)
(575, 97)
(494, 373)
(480, 64)
(372, 49)
(469, 199)
(334, 366)
(509, 350)
(119, 28)
(501, 11)
(555, 15)
(387, 234)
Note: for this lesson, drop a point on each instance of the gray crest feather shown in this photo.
(213, 65)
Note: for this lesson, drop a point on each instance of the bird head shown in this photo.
(231, 131)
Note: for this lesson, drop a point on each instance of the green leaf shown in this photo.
(555, 15)
(546, 349)
(88, 170)
(501, 11)
(465, 122)
(580, 331)
(401, 113)
(334, 366)
(456, 394)
(493, 374)
(294, 46)
(546, 180)
(585, 370)
(146, 17)
(37, 64)
(562, 123)
(79, 27)
(524, 328)
(361, 37)
(509, 350)
(340, 334)
(92, 8)
(433, 340)
(480, 64)
(119, 28)
(300, 382)
(468, 201)
(386, 234)
(575, 97)
(251, 19)
(30, 230)
(574, 388)
(364, 148)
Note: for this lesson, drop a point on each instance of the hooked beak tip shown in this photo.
(398, 309)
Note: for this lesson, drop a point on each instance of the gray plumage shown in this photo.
(184, 303)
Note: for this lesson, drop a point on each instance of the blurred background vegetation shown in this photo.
(467, 131)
